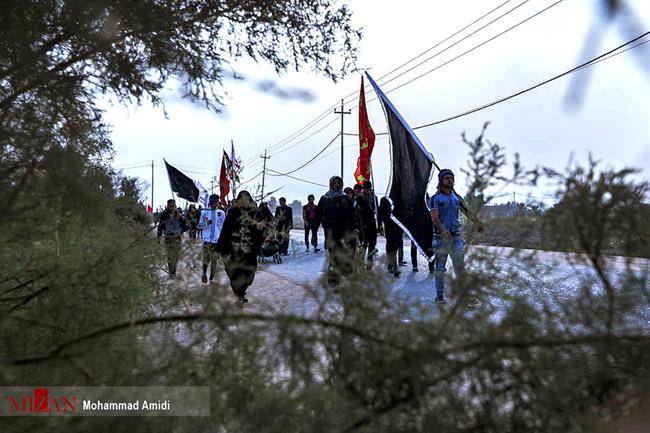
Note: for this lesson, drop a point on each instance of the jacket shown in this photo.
(211, 222)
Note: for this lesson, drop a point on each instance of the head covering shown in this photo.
(214, 198)
(444, 172)
(245, 194)
(332, 192)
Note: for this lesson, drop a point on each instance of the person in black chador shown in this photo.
(336, 214)
(283, 223)
(310, 218)
(172, 224)
(240, 242)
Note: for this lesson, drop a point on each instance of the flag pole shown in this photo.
(374, 203)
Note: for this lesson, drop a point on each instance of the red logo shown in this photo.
(41, 402)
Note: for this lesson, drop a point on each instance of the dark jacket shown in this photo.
(336, 213)
(172, 224)
(367, 213)
(284, 218)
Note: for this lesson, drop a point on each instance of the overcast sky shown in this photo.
(612, 122)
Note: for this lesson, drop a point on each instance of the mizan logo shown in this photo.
(41, 402)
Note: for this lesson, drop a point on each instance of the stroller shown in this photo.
(270, 248)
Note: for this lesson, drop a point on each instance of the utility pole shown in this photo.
(263, 173)
(152, 205)
(212, 186)
(342, 112)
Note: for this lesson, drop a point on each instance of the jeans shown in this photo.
(313, 228)
(444, 248)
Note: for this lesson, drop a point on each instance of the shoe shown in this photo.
(402, 263)
(440, 300)
(415, 269)
(316, 250)
(307, 250)
(242, 299)
(397, 272)
(204, 278)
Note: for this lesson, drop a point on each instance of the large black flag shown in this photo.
(410, 175)
(181, 184)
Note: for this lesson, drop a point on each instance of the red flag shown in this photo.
(366, 140)
(224, 182)
(149, 209)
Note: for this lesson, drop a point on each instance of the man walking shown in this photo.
(336, 214)
(284, 223)
(310, 218)
(445, 207)
(211, 223)
(173, 225)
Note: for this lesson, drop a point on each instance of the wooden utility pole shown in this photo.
(263, 173)
(342, 112)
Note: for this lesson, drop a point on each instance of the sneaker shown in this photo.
(397, 272)
(415, 269)
(440, 300)
(316, 250)
(242, 299)
(307, 250)
(204, 278)
(402, 263)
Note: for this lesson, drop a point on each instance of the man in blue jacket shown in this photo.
(445, 210)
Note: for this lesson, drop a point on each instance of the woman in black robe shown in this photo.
(240, 242)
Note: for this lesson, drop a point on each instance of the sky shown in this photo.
(612, 121)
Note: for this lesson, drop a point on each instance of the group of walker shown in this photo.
(351, 219)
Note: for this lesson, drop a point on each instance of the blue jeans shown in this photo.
(443, 248)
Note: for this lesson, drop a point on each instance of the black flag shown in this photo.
(182, 185)
(410, 175)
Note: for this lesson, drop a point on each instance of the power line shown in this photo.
(327, 111)
(498, 35)
(251, 179)
(306, 138)
(531, 88)
(445, 40)
(302, 180)
(466, 37)
(308, 162)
